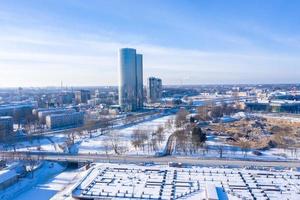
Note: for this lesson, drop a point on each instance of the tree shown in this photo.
(202, 112)
(30, 122)
(228, 109)
(160, 134)
(198, 138)
(245, 146)
(153, 142)
(180, 118)
(220, 149)
(197, 131)
(107, 146)
(136, 138)
(169, 123)
(181, 140)
(216, 112)
(115, 142)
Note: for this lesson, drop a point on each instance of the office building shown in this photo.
(82, 96)
(6, 126)
(57, 121)
(154, 89)
(130, 79)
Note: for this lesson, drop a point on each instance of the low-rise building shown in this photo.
(44, 113)
(19, 110)
(56, 121)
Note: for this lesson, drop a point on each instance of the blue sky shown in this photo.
(184, 42)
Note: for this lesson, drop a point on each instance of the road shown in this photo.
(146, 159)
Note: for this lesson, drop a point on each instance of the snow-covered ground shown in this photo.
(46, 182)
(215, 144)
(99, 144)
(56, 141)
(41, 175)
(50, 143)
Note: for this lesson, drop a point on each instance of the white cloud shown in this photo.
(40, 58)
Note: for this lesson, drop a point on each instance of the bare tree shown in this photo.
(160, 134)
(169, 123)
(144, 138)
(136, 138)
(220, 149)
(203, 112)
(181, 140)
(180, 118)
(245, 146)
(107, 145)
(216, 112)
(116, 144)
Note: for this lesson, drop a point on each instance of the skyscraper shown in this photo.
(130, 79)
(154, 89)
(139, 80)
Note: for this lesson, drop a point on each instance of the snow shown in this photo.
(24, 188)
(50, 143)
(97, 145)
(47, 189)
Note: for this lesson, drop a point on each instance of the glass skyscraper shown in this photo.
(130, 79)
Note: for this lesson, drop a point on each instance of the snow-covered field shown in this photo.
(99, 144)
(50, 143)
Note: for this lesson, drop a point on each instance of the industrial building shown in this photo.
(154, 89)
(130, 79)
(73, 119)
(274, 106)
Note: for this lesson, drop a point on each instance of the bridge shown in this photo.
(134, 159)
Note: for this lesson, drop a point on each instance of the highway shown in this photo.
(146, 159)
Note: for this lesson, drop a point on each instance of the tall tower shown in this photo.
(139, 80)
(127, 79)
(130, 79)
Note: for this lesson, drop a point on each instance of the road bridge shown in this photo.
(88, 158)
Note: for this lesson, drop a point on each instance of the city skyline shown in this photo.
(207, 42)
